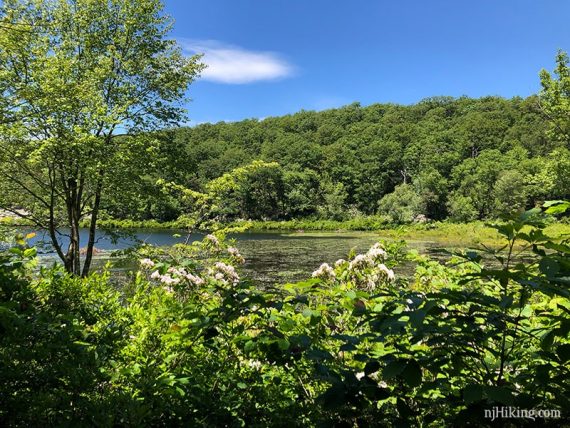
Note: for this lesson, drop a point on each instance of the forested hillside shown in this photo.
(457, 158)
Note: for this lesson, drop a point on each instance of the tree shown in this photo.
(301, 193)
(334, 196)
(80, 80)
(254, 191)
(555, 99)
(510, 193)
(475, 178)
(461, 208)
(403, 205)
(433, 188)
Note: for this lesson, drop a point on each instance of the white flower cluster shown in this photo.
(374, 255)
(213, 240)
(234, 252)
(176, 276)
(194, 279)
(183, 274)
(361, 261)
(377, 252)
(166, 279)
(389, 273)
(366, 270)
(339, 262)
(372, 266)
(324, 272)
(224, 273)
(255, 364)
(146, 263)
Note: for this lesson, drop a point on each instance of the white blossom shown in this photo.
(255, 364)
(376, 253)
(155, 275)
(234, 252)
(360, 261)
(389, 273)
(324, 272)
(339, 262)
(168, 280)
(213, 240)
(225, 273)
(146, 263)
(194, 279)
(177, 271)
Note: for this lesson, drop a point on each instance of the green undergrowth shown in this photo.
(188, 341)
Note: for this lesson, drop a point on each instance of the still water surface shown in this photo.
(271, 257)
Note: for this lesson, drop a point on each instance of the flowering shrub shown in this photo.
(365, 271)
(188, 341)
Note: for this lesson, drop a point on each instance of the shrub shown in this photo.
(188, 341)
(461, 208)
(403, 205)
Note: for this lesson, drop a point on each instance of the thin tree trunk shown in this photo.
(74, 247)
(92, 230)
(52, 226)
(73, 261)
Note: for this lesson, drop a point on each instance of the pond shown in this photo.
(271, 257)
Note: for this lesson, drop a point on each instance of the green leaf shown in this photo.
(417, 318)
(393, 369)
(548, 204)
(403, 408)
(371, 367)
(30, 252)
(542, 374)
(318, 355)
(472, 393)
(556, 207)
(563, 352)
(549, 267)
(334, 397)
(412, 374)
(249, 346)
(547, 340)
(283, 344)
(499, 394)
(506, 302)
(348, 347)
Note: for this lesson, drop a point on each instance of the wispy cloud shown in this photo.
(235, 65)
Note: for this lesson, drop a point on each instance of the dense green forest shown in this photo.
(458, 158)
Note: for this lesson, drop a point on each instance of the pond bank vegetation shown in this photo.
(188, 340)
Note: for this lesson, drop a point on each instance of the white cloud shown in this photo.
(235, 65)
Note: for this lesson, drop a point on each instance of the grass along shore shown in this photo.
(467, 234)
(460, 234)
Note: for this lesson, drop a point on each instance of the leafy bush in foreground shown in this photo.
(189, 342)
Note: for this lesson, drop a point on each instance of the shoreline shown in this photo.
(467, 234)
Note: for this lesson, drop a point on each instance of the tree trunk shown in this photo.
(92, 231)
(72, 260)
(73, 251)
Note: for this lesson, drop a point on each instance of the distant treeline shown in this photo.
(444, 157)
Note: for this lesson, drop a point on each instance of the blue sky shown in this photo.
(273, 57)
